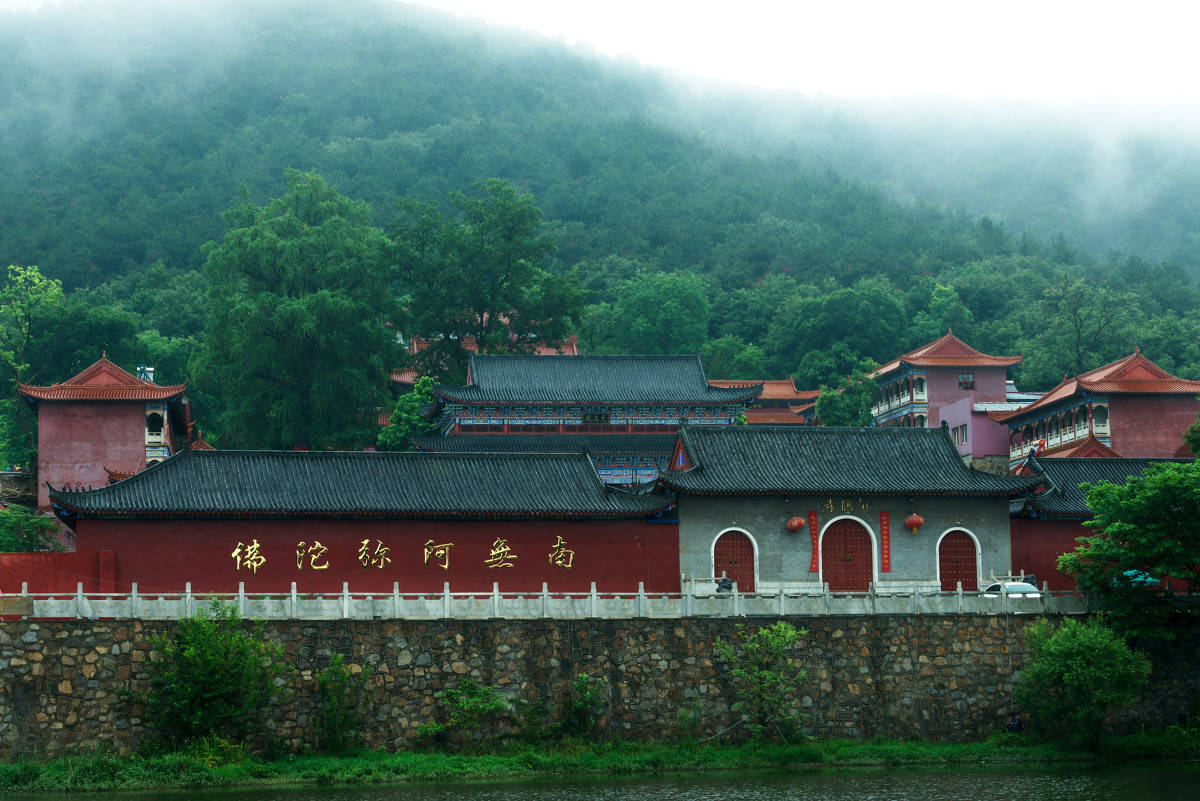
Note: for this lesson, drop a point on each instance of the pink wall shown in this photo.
(160, 555)
(76, 441)
(943, 387)
(1151, 425)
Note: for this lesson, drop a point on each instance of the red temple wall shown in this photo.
(1037, 544)
(1151, 425)
(57, 571)
(76, 441)
(160, 555)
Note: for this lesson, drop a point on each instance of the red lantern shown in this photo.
(914, 522)
(795, 523)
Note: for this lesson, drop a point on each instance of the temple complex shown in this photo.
(780, 401)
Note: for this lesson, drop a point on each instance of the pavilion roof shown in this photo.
(521, 379)
(103, 381)
(595, 444)
(332, 484)
(1062, 497)
(772, 388)
(790, 460)
(1134, 374)
(947, 351)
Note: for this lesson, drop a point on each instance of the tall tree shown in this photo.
(298, 343)
(480, 271)
(29, 304)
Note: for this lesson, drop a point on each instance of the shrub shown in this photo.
(585, 704)
(339, 707)
(470, 708)
(212, 677)
(24, 530)
(1076, 674)
(765, 679)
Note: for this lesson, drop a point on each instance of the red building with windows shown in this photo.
(1132, 406)
(104, 419)
(915, 386)
(780, 401)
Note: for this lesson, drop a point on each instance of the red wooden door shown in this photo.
(733, 555)
(957, 562)
(846, 557)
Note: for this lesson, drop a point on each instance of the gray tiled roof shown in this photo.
(596, 444)
(297, 484)
(591, 380)
(788, 459)
(1063, 498)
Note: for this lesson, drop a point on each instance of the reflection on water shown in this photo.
(1171, 783)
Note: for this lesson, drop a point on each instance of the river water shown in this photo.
(1171, 783)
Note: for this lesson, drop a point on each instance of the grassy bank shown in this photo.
(226, 767)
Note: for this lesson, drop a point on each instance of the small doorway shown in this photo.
(847, 560)
(958, 561)
(733, 557)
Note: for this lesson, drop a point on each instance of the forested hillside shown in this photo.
(125, 135)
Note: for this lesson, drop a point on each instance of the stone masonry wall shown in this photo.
(940, 678)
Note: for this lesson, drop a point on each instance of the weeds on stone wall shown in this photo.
(765, 678)
(584, 705)
(212, 677)
(472, 711)
(339, 700)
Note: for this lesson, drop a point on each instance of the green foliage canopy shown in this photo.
(406, 420)
(766, 679)
(298, 348)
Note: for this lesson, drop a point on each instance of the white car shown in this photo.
(1013, 589)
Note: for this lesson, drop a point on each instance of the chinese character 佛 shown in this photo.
(248, 556)
(500, 555)
(439, 553)
(379, 559)
(561, 555)
(315, 553)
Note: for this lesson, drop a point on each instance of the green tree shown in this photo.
(341, 692)
(297, 344)
(480, 271)
(1088, 323)
(29, 306)
(765, 677)
(848, 403)
(1075, 675)
(213, 677)
(1147, 527)
(26, 530)
(657, 312)
(730, 357)
(406, 420)
(1191, 437)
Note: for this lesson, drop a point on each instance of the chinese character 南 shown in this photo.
(248, 556)
(439, 553)
(315, 553)
(500, 555)
(379, 559)
(561, 555)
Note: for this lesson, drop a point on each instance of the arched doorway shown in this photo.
(958, 561)
(847, 560)
(733, 557)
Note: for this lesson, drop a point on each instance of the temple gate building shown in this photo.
(104, 419)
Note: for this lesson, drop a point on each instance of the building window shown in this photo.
(966, 381)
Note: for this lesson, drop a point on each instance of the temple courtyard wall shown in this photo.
(63, 684)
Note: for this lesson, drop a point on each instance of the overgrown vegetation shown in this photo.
(340, 696)
(766, 679)
(1076, 674)
(585, 704)
(471, 711)
(214, 677)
